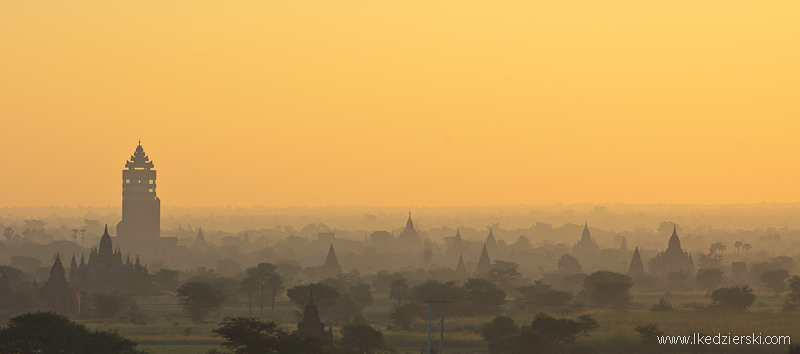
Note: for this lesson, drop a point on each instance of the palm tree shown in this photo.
(247, 286)
(83, 236)
(263, 278)
(746, 247)
(718, 247)
(75, 234)
(275, 283)
(737, 244)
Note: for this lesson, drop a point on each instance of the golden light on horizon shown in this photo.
(404, 103)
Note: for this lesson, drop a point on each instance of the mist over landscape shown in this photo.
(415, 177)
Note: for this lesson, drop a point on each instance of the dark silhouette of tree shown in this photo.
(383, 281)
(265, 280)
(523, 244)
(662, 306)
(47, 332)
(484, 296)
(746, 247)
(738, 245)
(8, 233)
(734, 297)
(775, 280)
(199, 299)
(568, 264)
(166, 279)
(606, 288)
(247, 335)
(343, 310)
(403, 315)
(361, 294)
(505, 274)
(649, 333)
(499, 334)
(399, 290)
(791, 301)
(551, 335)
(709, 279)
(541, 296)
(718, 248)
(363, 339)
(760, 268)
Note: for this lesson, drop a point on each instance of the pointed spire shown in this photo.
(636, 267)
(484, 263)
(137, 264)
(200, 240)
(105, 243)
(57, 272)
(409, 223)
(73, 264)
(490, 239)
(624, 246)
(331, 259)
(461, 269)
(674, 241)
(82, 261)
(586, 236)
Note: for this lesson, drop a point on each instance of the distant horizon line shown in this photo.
(410, 206)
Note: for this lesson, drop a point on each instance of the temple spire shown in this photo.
(409, 223)
(484, 263)
(636, 267)
(586, 235)
(57, 272)
(105, 243)
(674, 241)
(461, 269)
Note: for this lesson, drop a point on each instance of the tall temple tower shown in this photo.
(586, 244)
(141, 208)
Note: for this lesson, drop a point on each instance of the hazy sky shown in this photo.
(420, 103)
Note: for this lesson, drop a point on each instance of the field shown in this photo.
(169, 331)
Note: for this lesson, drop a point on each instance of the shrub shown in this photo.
(734, 297)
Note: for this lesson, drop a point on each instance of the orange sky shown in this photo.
(421, 103)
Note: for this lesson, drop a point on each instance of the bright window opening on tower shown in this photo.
(151, 181)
